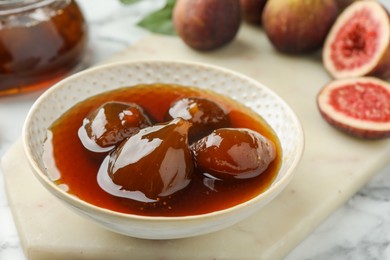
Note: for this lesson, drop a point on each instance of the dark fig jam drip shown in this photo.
(204, 194)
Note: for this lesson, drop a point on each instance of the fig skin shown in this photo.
(371, 96)
(296, 26)
(233, 154)
(252, 10)
(156, 162)
(204, 115)
(110, 124)
(372, 61)
(207, 24)
(342, 4)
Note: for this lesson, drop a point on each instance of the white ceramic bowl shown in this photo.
(63, 95)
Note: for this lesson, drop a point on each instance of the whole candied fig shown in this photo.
(296, 26)
(207, 24)
(204, 114)
(110, 124)
(233, 153)
(154, 163)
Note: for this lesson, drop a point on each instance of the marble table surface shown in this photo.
(360, 229)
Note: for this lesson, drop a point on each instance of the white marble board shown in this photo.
(333, 168)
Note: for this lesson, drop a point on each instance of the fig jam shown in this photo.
(40, 42)
(78, 167)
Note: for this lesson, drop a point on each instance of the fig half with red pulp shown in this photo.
(359, 106)
(358, 43)
(233, 153)
(154, 163)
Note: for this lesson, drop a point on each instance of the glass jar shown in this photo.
(41, 41)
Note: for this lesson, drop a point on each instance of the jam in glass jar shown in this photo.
(41, 41)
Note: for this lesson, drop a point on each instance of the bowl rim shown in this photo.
(74, 200)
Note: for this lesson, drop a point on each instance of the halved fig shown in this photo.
(357, 106)
(358, 43)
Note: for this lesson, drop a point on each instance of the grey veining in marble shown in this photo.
(359, 230)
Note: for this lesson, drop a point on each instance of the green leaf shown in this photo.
(161, 20)
(127, 2)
